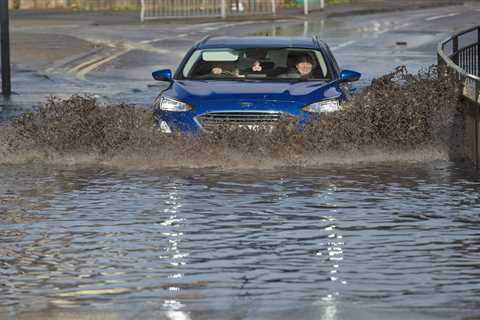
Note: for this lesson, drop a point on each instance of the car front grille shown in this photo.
(214, 120)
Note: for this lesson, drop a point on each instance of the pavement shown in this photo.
(111, 55)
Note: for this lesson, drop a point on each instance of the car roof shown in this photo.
(258, 42)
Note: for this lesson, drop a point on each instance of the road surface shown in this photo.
(115, 62)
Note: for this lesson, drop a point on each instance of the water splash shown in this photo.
(398, 117)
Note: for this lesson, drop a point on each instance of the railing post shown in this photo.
(455, 49)
(142, 11)
(322, 4)
(274, 8)
(305, 7)
(5, 48)
(223, 9)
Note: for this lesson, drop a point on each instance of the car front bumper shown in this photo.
(210, 121)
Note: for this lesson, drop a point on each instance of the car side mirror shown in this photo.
(162, 75)
(349, 76)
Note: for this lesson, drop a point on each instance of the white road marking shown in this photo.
(394, 28)
(442, 16)
(343, 45)
(182, 35)
(218, 26)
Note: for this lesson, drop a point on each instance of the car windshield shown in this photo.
(256, 63)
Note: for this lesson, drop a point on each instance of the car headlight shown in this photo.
(323, 106)
(168, 104)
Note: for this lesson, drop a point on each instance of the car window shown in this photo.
(256, 63)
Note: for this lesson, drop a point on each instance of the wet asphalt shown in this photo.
(114, 62)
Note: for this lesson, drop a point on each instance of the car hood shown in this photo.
(194, 91)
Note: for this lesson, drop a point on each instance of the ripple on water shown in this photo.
(377, 236)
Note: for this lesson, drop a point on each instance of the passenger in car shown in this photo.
(226, 70)
(216, 70)
(252, 60)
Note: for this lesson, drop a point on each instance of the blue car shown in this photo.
(250, 82)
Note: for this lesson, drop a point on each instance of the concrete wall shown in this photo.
(472, 133)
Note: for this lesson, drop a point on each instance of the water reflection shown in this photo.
(173, 253)
(329, 304)
(334, 254)
(176, 258)
(174, 311)
(174, 244)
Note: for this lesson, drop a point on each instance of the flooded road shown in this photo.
(370, 240)
(386, 241)
(120, 69)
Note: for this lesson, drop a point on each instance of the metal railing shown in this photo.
(158, 9)
(461, 54)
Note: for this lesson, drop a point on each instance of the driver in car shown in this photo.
(303, 68)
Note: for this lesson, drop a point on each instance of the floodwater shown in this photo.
(391, 239)
(366, 241)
